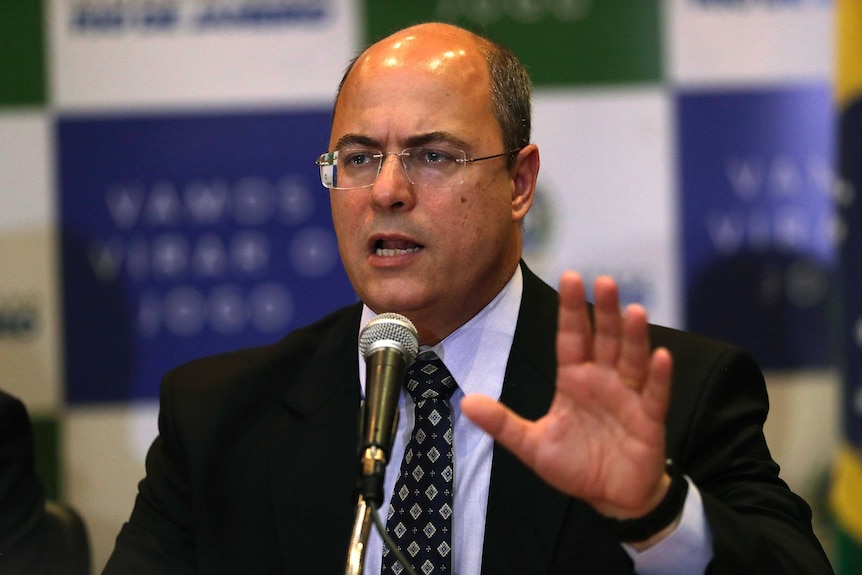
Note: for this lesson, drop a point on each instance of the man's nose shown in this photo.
(392, 189)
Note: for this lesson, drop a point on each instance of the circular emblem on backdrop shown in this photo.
(539, 224)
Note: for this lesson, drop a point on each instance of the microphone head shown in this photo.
(390, 330)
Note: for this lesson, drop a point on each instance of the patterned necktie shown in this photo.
(420, 512)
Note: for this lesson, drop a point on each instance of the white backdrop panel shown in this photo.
(749, 41)
(26, 199)
(28, 266)
(606, 197)
(104, 451)
(178, 62)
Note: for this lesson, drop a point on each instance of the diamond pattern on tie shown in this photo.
(420, 511)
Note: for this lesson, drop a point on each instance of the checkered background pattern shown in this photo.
(159, 201)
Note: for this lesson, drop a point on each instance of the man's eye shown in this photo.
(432, 156)
(360, 158)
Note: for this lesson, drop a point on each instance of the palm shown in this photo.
(602, 439)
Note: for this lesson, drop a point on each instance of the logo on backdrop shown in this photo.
(766, 213)
(19, 316)
(170, 15)
(539, 224)
(522, 11)
(765, 4)
(540, 228)
(185, 236)
(758, 222)
(228, 221)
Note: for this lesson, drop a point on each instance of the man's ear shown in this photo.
(524, 174)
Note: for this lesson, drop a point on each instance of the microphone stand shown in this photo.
(371, 489)
(370, 497)
(359, 538)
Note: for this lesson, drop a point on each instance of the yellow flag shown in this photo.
(849, 35)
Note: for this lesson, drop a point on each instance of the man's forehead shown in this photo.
(410, 85)
(415, 73)
(431, 46)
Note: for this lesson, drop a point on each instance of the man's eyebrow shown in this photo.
(439, 137)
(352, 140)
(435, 138)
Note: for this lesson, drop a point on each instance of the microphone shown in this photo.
(389, 343)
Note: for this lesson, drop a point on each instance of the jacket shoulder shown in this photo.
(247, 369)
(696, 356)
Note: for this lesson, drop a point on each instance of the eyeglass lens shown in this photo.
(428, 167)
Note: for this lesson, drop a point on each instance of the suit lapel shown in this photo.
(312, 453)
(525, 515)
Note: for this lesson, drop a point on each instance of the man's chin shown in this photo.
(401, 298)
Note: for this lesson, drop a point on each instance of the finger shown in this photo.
(574, 330)
(634, 359)
(656, 392)
(501, 423)
(609, 322)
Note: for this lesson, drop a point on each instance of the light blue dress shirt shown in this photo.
(476, 355)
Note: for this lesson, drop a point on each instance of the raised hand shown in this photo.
(602, 439)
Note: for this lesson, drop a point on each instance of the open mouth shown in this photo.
(389, 248)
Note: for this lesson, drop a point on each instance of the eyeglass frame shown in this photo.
(330, 159)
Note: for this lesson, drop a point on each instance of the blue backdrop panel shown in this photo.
(186, 235)
(758, 220)
(850, 166)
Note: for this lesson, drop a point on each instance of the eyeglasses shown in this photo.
(426, 167)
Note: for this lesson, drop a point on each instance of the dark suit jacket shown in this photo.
(254, 467)
(35, 538)
(21, 499)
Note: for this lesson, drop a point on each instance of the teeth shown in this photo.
(386, 252)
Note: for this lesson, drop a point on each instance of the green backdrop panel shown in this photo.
(46, 447)
(22, 55)
(560, 41)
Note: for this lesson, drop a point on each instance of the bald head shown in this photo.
(509, 87)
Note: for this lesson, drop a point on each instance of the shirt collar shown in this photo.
(476, 353)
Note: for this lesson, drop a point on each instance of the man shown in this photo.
(255, 464)
(35, 539)
(21, 499)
